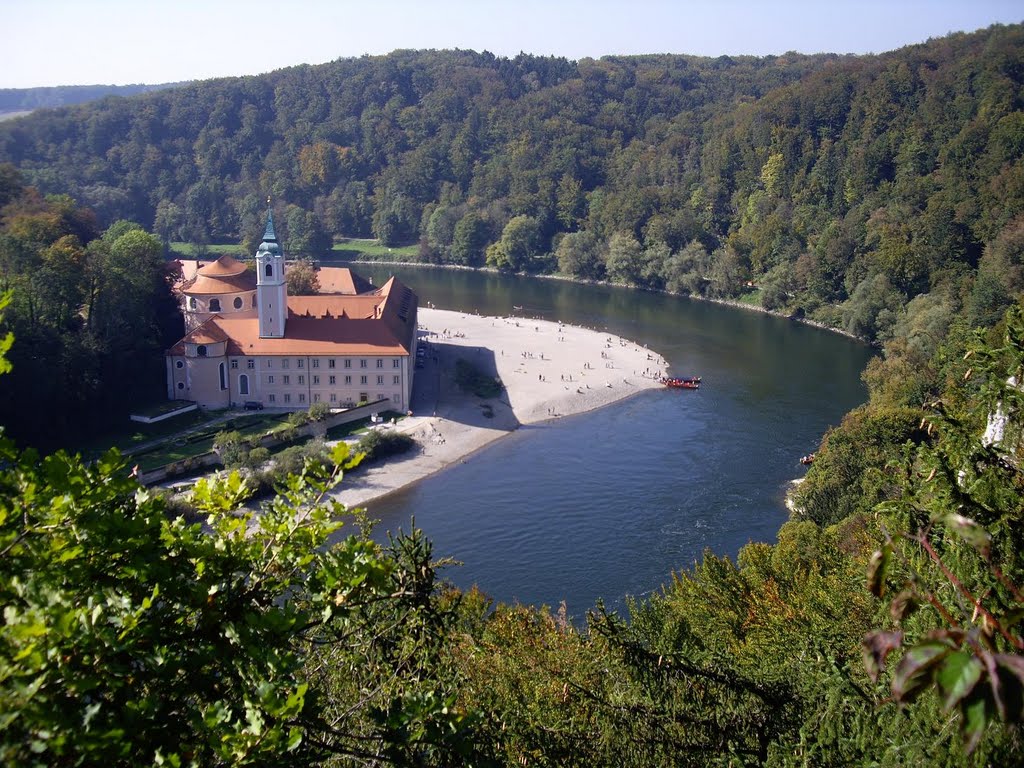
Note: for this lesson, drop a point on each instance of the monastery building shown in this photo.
(248, 342)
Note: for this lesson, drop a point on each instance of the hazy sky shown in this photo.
(77, 42)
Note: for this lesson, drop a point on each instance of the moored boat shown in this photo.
(682, 382)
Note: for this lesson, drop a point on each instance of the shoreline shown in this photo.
(724, 302)
(549, 371)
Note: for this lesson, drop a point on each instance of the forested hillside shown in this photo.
(882, 194)
(836, 186)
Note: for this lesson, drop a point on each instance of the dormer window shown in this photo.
(201, 350)
(238, 302)
(192, 302)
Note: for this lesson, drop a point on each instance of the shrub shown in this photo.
(318, 411)
(379, 444)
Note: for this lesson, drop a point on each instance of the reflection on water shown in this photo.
(608, 504)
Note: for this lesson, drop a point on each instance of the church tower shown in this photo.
(271, 290)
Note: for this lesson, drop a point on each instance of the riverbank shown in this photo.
(549, 371)
(565, 278)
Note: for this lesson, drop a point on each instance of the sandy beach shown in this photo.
(549, 371)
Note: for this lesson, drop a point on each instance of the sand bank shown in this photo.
(549, 371)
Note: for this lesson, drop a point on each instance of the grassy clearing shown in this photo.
(184, 446)
(128, 436)
(214, 250)
(354, 249)
(346, 249)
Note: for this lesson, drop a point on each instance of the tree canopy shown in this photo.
(807, 178)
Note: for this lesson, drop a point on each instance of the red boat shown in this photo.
(685, 382)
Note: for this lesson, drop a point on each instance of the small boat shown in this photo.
(686, 382)
(807, 460)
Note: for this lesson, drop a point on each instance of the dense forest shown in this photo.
(839, 187)
(881, 194)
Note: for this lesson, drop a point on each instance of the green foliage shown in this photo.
(805, 175)
(853, 471)
(956, 532)
(91, 315)
(302, 280)
(132, 639)
(518, 247)
(380, 444)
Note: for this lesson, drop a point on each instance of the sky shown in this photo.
(117, 42)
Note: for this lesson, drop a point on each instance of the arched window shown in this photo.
(243, 384)
(192, 302)
(269, 271)
(238, 302)
(201, 350)
(223, 376)
(215, 305)
(254, 301)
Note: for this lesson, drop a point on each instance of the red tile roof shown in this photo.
(342, 280)
(381, 323)
(208, 332)
(226, 275)
(225, 266)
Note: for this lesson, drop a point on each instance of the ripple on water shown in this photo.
(610, 503)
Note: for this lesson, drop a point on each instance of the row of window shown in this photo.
(287, 379)
(300, 362)
(214, 304)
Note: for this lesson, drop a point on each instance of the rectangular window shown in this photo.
(363, 397)
(348, 379)
(284, 363)
(271, 397)
(234, 365)
(397, 380)
(348, 363)
(316, 397)
(287, 379)
(287, 398)
(302, 397)
(362, 363)
(302, 379)
(362, 379)
(380, 379)
(250, 364)
(270, 363)
(380, 363)
(334, 397)
(330, 363)
(316, 379)
(316, 362)
(300, 363)
(396, 363)
(331, 379)
(270, 379)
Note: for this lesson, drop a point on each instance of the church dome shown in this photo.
(225, 266)
(226, 275)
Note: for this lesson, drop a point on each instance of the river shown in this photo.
(611, 503)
